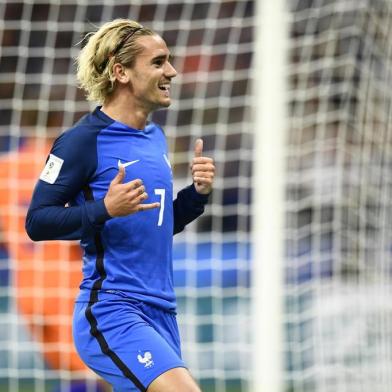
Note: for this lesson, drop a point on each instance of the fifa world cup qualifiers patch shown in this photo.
(52, 169)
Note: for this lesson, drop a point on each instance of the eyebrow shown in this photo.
(163, 57)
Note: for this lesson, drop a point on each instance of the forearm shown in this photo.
(65, 223)
(187, 207)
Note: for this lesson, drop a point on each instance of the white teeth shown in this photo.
(165, 87)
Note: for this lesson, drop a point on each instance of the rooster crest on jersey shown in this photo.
(146, 359)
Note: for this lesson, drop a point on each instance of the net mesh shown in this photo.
(338, 192)
(212, 45)
(338, 207)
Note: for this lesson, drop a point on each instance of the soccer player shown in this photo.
(108, 182)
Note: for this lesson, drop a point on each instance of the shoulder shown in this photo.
(82, 135)
(77, 146)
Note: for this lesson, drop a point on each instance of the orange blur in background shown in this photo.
(46, 274)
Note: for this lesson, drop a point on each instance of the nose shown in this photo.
(170, 71)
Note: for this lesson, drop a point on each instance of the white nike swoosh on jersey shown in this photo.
(127, 163)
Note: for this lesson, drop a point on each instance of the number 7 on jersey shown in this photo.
(161, 193)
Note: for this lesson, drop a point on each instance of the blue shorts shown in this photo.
(126, 342)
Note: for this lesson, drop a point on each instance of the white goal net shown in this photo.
(338, 200)
(212, 46)
(338, 282)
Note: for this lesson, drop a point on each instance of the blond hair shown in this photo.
(114, 42)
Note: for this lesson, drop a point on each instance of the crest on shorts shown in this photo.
(145, 359)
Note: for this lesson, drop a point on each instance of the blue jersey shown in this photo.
(130, 256)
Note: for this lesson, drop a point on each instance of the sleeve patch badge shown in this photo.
(52, 169)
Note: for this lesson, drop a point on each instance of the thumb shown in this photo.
(198, 148)
(120, 175)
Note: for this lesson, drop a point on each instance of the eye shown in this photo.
(158, 63)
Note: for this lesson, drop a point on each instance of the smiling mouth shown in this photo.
(164, 87)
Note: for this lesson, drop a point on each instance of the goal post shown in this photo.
(323, 317)
(268, 207)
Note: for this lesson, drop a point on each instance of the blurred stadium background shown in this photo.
(337, 235)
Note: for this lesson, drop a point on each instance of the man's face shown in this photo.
(151, 74)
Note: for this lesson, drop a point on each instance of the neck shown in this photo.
(125, 110)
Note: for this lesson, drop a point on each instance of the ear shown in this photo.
(120, 73)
